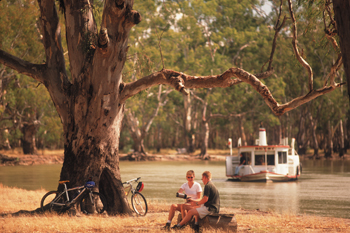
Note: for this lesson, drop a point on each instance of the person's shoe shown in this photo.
(196, 228)
(176, 227)
(167, 226)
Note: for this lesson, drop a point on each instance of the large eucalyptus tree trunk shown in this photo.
(91, 110)
(89, 103)
(342, 17)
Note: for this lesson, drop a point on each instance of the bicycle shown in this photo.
(88, 200)
(138, 201)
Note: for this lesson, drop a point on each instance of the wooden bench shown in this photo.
(226, 222)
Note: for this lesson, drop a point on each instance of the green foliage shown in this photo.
(22, 99)
(206, 37)
(198, 38)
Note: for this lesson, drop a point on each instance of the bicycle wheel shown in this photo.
(139, 204)
(99, 204)
(48, 203)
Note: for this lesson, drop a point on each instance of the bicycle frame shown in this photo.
(65, 192)
(130, 186)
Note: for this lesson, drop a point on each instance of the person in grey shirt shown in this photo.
(210, 203)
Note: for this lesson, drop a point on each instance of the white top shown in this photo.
(192, 192)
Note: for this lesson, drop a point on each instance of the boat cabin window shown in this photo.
(270, 159)
(259, 159)
(247, 156)
(282, 157)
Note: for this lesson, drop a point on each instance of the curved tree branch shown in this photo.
(180, 80)
(330, 36)
(296, 51)
(277, 29)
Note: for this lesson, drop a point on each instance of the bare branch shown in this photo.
(180, 80)
(330, 36)
(175, 79)
(204, 102)
(335, 67)
(295, 48)
(32, 70)
(218, 115)
(160, 48)
(277, 29)
(155, 113)
(239, 50)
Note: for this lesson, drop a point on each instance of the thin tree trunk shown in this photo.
(314, 137)
(241, 131)
(188, 134)
(159, 138)
(329, 150)
(341, 150)
(205, 138)
(302, 142)
(28, 139)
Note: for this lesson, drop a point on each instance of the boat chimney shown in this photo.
(262, 137)
(292, 146)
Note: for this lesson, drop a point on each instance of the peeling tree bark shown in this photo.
(342, 17)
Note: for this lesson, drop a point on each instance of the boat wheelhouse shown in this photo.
(263, 163)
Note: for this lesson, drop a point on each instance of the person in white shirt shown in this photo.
(193, 190)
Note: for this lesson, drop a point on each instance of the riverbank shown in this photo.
(14, 200)
(16, 157)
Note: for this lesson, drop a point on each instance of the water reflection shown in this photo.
(322, 190)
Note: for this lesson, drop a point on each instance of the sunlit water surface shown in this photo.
(322, 190)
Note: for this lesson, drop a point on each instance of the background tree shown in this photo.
(139, 129)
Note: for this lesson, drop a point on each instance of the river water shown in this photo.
(323, 189)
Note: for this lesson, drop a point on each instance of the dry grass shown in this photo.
(14, 199)
(18, 152)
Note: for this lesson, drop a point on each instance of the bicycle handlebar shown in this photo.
(129, 181)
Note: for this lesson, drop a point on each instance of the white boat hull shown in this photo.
(264, 176)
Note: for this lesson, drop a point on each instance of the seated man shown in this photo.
(241, 163)
(193, 190)
(210, 203)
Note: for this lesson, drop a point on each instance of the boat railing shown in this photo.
(251, 169)
(290, 152)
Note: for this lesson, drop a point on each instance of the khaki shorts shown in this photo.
(203, 211)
